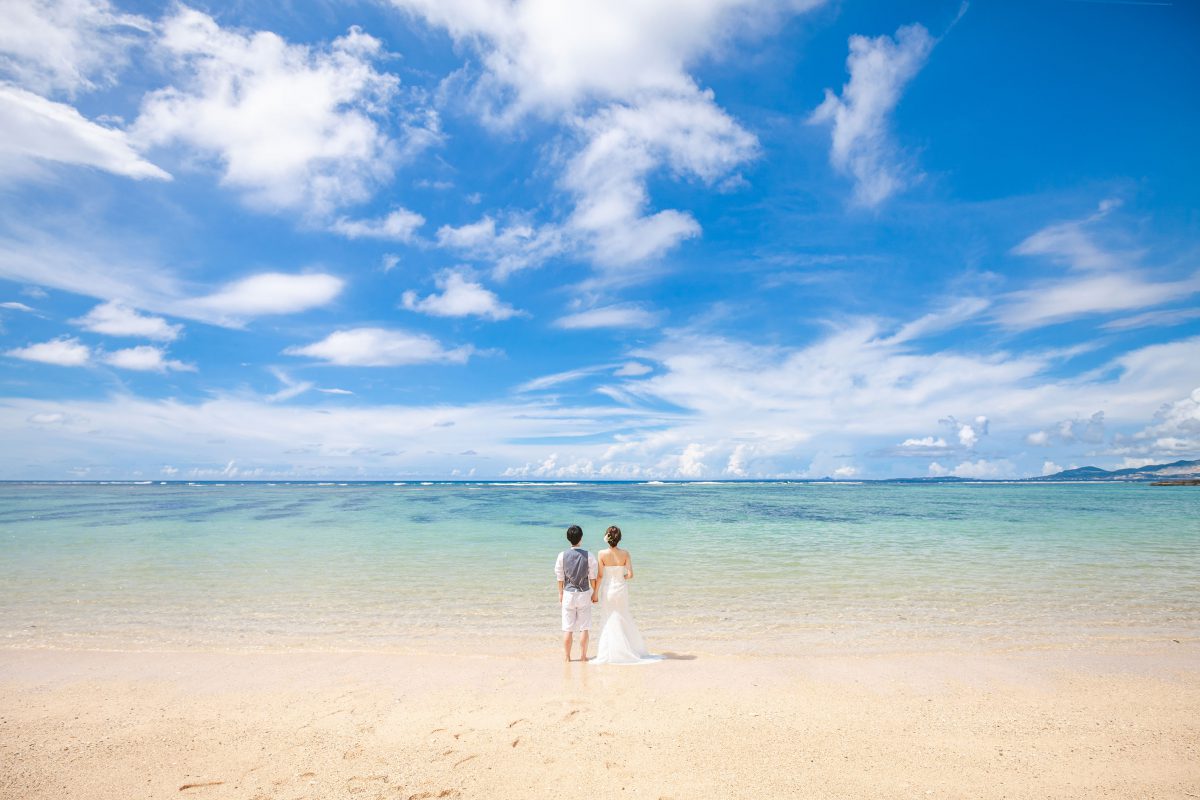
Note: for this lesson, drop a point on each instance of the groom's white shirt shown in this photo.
(593, 566)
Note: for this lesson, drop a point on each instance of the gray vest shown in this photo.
(575, 570)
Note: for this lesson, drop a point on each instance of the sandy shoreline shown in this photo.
(371, 725)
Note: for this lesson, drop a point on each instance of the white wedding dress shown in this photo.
(620, 641)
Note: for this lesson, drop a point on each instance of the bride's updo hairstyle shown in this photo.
(612, 535)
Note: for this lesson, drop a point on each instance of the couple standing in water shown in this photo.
(583, 579)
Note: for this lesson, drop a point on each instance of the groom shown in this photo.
(576, 570)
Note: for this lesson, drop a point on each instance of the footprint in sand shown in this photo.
(515, 721)
(364, 783)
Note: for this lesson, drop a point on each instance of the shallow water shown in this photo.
(771, 568)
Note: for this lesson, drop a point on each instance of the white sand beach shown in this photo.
(1034, 724)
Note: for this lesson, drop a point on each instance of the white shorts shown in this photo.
(577, 611)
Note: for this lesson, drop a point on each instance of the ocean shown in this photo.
(741, 568)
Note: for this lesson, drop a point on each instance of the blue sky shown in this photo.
(661, 239)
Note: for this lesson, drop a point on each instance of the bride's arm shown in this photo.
(628, 566)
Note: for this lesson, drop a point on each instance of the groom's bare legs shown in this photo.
(567, 637)
(583, 646)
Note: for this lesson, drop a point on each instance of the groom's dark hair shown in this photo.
(574, 535)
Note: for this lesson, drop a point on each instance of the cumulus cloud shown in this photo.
(981, 469)
(1050, 468)
(543, 57)
(62, 352)
(1174, 433)
(460, 297)
(688, 134)
(627, 315)
(616, 76)
(114, 318)
(927, 441)
(66, 46)
(510, 246)
(862, 146)
(1069, 431)
(145, 358)
(266, 293)
(924, 446)
(399, 226)
(380, 347)
(968, 433)
(35, 131)
(292, 126)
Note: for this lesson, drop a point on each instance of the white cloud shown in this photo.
(511, 247)
(14, 306)
(380, 347)
(1174, 433)
(927, 441)
(66, 45)
(145, 358)
(688, 134)
(35, 131)
(557, 378)
(862, 147)
(956, 313)
(616, 316)
(1069, 431)
(1054, 301)
(63, 352)
(266, 293)
(293, 126)
(690, 463)
(616, 75)
(336, 391)
(1164, 318)
(117, 319)
(1071, 243)
(545, 57)
(399, 226)
(1050, 468)
(1105, 280)
(460, 297)
(845, 472)
(631, 369)
(984, 469)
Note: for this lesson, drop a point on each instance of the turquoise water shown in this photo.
(772, 568)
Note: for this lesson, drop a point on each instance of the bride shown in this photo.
(620, 642)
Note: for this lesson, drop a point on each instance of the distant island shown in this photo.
(1175, 473)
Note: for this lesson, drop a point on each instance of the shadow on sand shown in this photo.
(677, 657)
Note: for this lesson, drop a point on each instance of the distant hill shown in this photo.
(1177, 470)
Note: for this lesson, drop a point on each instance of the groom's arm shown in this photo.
(561, 575)
(593, 571)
